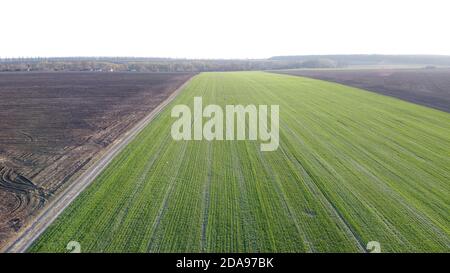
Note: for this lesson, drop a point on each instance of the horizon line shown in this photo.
(216, 58)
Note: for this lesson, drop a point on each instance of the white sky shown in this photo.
(222, 29)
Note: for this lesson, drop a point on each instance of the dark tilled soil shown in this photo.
(428, 87)
(53, 124)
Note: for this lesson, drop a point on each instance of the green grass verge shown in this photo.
(352, 167)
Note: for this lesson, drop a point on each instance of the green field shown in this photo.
(352, 167)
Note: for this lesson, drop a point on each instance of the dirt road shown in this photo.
(57, 206)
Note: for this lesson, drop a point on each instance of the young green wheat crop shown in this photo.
(351, 167)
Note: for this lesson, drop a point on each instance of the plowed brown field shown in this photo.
(53, 125)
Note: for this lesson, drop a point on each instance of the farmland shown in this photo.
(352, 167)
(428, 87)
(54, 125)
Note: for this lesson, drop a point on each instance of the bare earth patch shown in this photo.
(428, 87)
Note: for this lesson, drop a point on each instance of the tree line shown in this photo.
(153, 64)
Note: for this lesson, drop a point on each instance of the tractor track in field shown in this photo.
(49, 214)
(25, 192)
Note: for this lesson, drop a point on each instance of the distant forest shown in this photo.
(111, 64)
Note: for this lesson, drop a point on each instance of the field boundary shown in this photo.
(370, 80)
(49, 214)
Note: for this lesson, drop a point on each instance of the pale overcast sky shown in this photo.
(222, 29)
